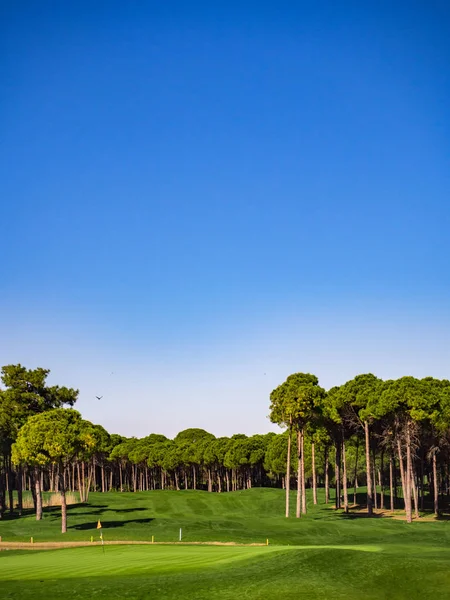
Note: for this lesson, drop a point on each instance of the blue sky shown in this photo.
(199, 200)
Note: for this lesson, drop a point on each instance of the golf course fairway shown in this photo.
(192, 572)
(324, 555)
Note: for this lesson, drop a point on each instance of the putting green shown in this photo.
(223, 572)
(122, 560)
(119, 560)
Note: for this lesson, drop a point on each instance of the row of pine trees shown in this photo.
(392, 437)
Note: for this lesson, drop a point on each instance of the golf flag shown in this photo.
(99, 526)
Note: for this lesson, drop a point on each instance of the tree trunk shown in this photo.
(2, 493)
(19, 490)
(435, 487)
(422, 469)
(355, 481)
(313, 461)
(38, 493)
(368, 467)
(33, 493)
(375, 497)
(381, 480)
(83, 479)
(209, 481)
(88, 485)
(407, 476)
(288, 472)
(394, 469)
(414, 488)
(344, 478)
(303, 474)
(194, 473)
(62, 492)
(327, 478)
(299, 476)
(9, 485)
(391, 483)
(402, 474)
(134, 474)
(80, 487)
(337, 474)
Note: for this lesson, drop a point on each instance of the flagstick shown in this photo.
(99, 526)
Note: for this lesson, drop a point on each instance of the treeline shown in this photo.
(390, 436)
(401, 425)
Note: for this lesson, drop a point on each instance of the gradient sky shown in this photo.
(199, 199)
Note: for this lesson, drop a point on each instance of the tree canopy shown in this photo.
(390, 436)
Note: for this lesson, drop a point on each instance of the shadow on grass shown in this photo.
(443, 517)
(109, 524)
(128, 510)
(95, 510)
(26, 512)
(361, 515)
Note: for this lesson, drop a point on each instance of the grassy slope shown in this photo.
(390, 559)
(200, 573)
(248, 516)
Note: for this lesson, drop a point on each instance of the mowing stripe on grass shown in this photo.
(119, 560)
(123, 560)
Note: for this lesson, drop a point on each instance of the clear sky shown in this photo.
(198, 199)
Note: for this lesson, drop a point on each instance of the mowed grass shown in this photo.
(249, 516)
(324, 555)
(169, 572)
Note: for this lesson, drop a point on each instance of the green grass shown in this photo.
(324, 555)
